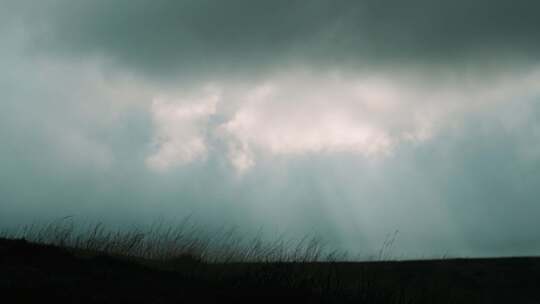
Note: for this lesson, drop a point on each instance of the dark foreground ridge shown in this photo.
(35, 273)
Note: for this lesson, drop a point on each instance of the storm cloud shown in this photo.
(348, 119)
(194, 37)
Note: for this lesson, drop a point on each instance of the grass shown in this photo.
(163, 264)
(160, 241)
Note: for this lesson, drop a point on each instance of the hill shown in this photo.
(33, 273)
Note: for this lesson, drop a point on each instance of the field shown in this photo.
(173, 266)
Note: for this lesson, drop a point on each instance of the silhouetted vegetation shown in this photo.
(63, 263)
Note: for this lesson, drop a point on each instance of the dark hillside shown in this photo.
(33, 273)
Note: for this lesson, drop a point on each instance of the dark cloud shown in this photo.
(167, 36)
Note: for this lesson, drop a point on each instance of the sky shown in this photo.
(345, 119)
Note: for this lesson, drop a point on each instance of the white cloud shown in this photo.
(365, 115)
(327, 114)
(299, 114)
(180, 129)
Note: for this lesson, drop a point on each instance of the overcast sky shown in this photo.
(347, 119)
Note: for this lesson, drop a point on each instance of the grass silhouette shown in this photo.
(62, 262)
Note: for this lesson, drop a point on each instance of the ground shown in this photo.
(34, 273)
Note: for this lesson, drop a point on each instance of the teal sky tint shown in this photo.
(347, 119)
